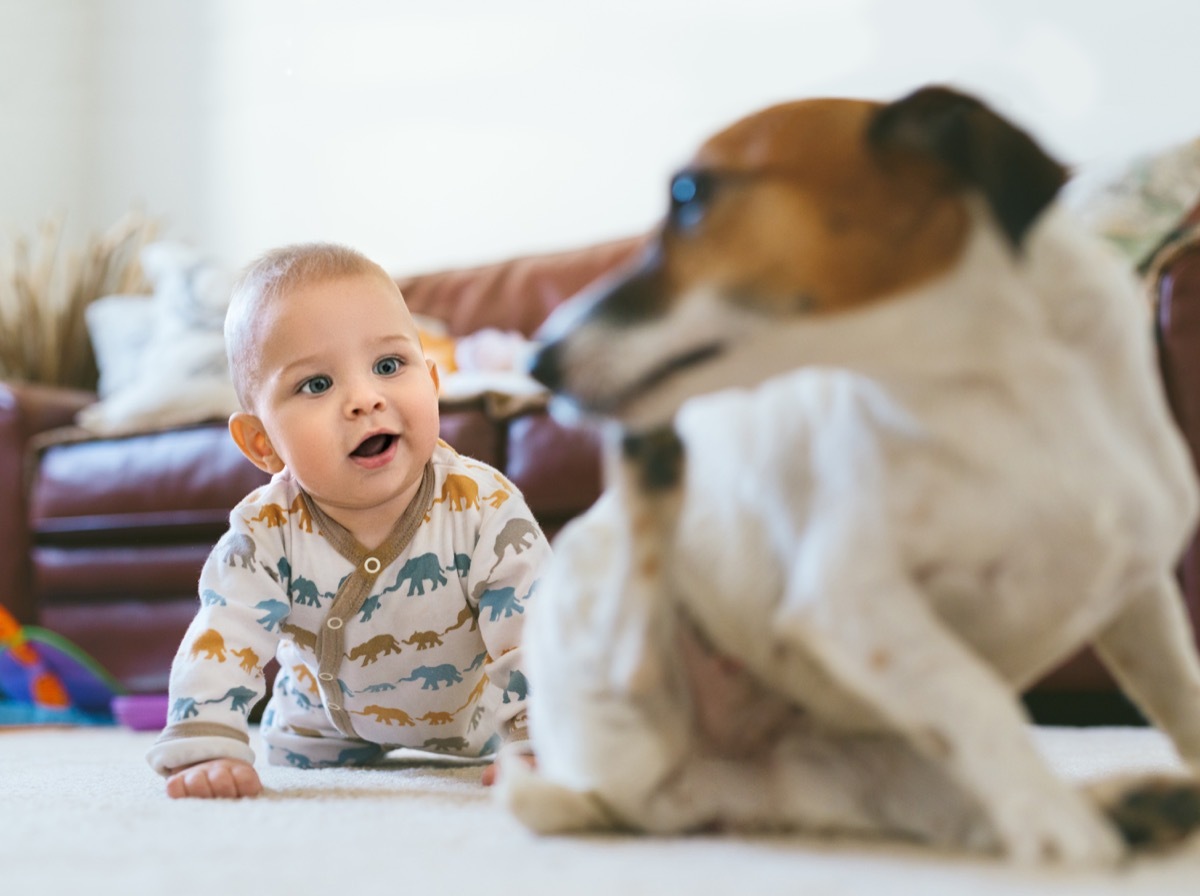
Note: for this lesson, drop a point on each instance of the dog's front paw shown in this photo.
(1050, 829)
(544, 806)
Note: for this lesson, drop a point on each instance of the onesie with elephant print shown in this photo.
(415, 643)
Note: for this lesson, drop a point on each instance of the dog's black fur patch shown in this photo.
(658, 455)
(984, 150)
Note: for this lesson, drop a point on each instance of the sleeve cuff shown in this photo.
(169, 756)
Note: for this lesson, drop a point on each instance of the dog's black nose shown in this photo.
(545, 367)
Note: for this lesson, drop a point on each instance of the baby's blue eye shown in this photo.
(315, 385)
(388, 366)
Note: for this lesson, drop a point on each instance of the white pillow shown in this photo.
(162, 363)
(119, 328)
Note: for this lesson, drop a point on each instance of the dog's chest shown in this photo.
(850, 497)
(742, 678)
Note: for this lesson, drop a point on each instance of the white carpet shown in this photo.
(81, 813)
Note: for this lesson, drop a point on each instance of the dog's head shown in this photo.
(801, 211)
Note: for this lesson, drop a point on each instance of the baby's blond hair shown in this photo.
(271, 276)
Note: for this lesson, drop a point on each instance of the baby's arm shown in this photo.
(511, 554)
(215, 779)
(217, 674)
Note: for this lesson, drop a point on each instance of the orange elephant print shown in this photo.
(211, 644)
(461, 492)
(271, 514)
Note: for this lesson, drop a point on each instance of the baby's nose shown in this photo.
(364, 398)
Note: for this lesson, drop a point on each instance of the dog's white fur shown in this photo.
(826, 625)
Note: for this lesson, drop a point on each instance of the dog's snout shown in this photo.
(546, 366)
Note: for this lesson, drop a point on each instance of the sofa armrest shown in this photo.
(25, 411)
(1177, 293)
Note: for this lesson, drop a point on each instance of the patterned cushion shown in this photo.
(1144, 205)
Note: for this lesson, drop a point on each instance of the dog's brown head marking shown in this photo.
(792, 210)
(823, 205)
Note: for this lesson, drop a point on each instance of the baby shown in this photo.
(387, 573)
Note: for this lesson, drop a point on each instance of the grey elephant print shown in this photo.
(518, 534)
(433, 677)
(235, 548)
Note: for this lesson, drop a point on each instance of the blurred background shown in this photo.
(432, 135)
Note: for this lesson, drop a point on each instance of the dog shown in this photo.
(885, 443)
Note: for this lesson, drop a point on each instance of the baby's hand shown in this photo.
(490, 772)
(216, 778)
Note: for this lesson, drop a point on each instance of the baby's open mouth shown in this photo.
(374, 445)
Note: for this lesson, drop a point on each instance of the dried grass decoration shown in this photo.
(44, 291)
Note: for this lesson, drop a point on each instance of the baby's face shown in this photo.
(346, 397)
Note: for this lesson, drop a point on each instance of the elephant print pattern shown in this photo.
(424, 652)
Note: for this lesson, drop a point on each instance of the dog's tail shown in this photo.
(1151, 812)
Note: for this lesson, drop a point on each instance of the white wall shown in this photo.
(437, 134)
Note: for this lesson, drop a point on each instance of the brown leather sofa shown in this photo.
(101, 540)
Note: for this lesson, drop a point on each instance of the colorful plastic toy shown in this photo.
(45, 679)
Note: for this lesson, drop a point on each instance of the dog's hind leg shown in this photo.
(1148, 649)
(863, 784)
(812, 782)
(884, 645)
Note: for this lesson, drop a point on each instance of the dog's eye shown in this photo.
(690, 193)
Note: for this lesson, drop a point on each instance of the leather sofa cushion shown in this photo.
(556, 468)
(150, 487)
(176, 486)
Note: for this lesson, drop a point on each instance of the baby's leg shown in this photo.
(298, 733)
(317, 750)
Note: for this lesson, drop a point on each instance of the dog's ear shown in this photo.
(982, 148)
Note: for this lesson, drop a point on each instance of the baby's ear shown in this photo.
(250, 436)
(433, 372)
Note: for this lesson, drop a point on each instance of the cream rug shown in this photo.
(81, 813)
